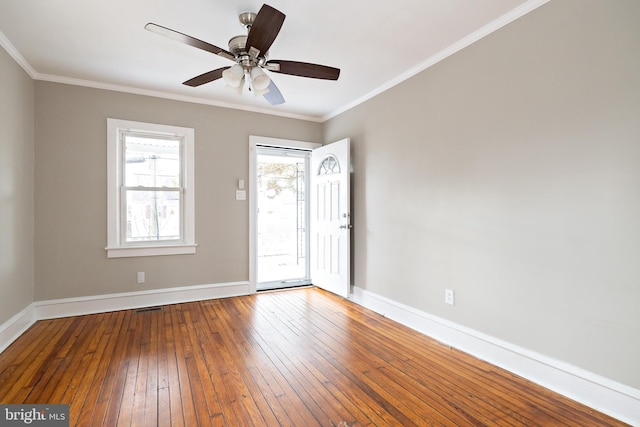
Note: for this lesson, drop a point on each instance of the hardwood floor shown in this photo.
(293, 358)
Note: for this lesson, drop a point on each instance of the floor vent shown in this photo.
(146, 309)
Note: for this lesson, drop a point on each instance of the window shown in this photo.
(150, 189)
(329, 166)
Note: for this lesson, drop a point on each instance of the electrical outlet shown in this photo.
(140, 277)
(448, 296)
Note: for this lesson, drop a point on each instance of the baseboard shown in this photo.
(124, 301)
(600, 393)
(51, 309)
(16, 326)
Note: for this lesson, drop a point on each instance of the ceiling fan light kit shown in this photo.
(250, 54)
(259, 80)
(233, 75)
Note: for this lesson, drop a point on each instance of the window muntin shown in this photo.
(329, 166)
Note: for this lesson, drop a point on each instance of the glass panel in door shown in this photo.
(282, 241)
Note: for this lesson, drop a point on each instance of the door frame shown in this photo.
(254, 142)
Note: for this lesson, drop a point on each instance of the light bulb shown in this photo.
(259, 79)
(233, 75)
(238, 89)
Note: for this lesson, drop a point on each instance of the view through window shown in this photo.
(152, 185)
(282, 218)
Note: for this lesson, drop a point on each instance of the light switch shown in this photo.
(241, 195)
(241, 184)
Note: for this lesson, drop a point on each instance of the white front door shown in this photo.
(331, 217)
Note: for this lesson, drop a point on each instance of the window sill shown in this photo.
(124, 252)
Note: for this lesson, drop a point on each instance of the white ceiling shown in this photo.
(375, 44)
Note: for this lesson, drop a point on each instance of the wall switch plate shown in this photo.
(448, 296)
(140, 277)
(241, 195)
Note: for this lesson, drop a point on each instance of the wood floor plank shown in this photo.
(334, 340)
(112, 383)
(32, 369)
(245, 392)
(93, 340)
(203, 390)
(462, 405)
(167, 375)
(300, 357)
(304, 350)
(288, 405)
(281, 351)
(233, 311)
(76, 344)
(182, 352)
(126, 398)
(395, 358)
(425, 411)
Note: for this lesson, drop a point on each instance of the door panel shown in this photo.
(330, 219)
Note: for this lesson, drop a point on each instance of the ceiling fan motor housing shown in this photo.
(237, 45)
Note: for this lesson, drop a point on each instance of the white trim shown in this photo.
(166, 95)
(124, 252)
(444, 53)
(13, 52)
(52, 309)
(282, 143)
(115, 248)
(16, 326)
(610, 397)
(255, 141)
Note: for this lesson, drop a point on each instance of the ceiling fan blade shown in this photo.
(274, 97)
(303, 69)
(191, 41)
(265, 29)
(205, 78)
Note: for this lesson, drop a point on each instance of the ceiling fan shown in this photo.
(250, 54)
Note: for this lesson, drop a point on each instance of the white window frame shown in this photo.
(116, 247)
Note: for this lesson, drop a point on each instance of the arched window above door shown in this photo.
(329, 166)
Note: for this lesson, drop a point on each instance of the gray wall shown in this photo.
(71, 190)
(16, 188)
(510, 172)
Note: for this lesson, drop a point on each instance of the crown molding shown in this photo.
(444, 53)
(166, 95)
(13, 52)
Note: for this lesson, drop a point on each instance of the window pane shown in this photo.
(329, 166)
(152, 215)
(151, 162)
